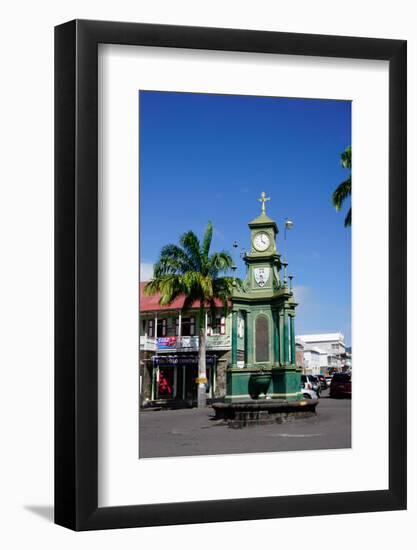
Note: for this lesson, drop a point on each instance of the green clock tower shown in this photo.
(263, 360)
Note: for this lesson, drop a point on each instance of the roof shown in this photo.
(326, 337)
(263, 220)
(151, 303)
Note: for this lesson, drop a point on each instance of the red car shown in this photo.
(341, 385)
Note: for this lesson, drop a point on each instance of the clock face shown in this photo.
(261, 241)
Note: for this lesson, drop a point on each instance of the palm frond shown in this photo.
(223, 288)
(192, 282)
(206, 284)
(189, 241)
(152, 287)
(191, 299)
(208, 235)
(344, 189)
(346, 158)
(169, 286)
(341, 193)
(220, 262)
(173, 259)
(348, 219)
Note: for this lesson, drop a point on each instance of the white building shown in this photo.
(330, 347)
(312, 360)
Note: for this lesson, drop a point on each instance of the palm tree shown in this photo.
(344, 189)
(190, 270)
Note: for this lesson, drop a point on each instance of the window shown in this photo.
(219, 326)
(262, 339)
(335, 346)
(188, 326)
(162, 327)
(171, 327)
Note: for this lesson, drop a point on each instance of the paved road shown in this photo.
(189, 432)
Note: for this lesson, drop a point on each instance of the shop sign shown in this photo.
(167, 342)
(189, 342)
(180, 360)
(218, 341)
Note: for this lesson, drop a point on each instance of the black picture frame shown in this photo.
(76, 272)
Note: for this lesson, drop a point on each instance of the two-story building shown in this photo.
(169, 350)
(331, 346)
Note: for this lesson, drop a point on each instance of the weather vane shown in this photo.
(263, 200)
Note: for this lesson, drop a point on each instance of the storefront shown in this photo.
(173, 377)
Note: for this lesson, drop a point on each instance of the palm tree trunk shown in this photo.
(202, 372)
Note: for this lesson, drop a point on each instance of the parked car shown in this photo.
(309, 394)
(341, 385)
(310, 382)
(323, 382)
(316, 383)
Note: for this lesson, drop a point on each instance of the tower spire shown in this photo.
(263, 200)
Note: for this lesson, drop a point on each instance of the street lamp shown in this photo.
(234, 267)
(289, 224)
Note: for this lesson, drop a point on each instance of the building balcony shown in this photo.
(168, 344)
(147, 343)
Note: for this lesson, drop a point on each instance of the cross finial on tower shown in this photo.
(263, 200)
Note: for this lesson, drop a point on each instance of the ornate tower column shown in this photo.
(286, 339)
(249, 338)
(292, 339)
(281, 336)
(277, 346)
(234, 338)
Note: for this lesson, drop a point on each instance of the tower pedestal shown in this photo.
(264, 411)
(249, 384)
(286, 383)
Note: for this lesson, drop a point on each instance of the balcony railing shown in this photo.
(183, 343)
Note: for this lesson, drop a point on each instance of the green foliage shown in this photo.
(346, 158)
(344, 189)
(189, 269)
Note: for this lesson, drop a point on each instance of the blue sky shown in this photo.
(208, 157)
